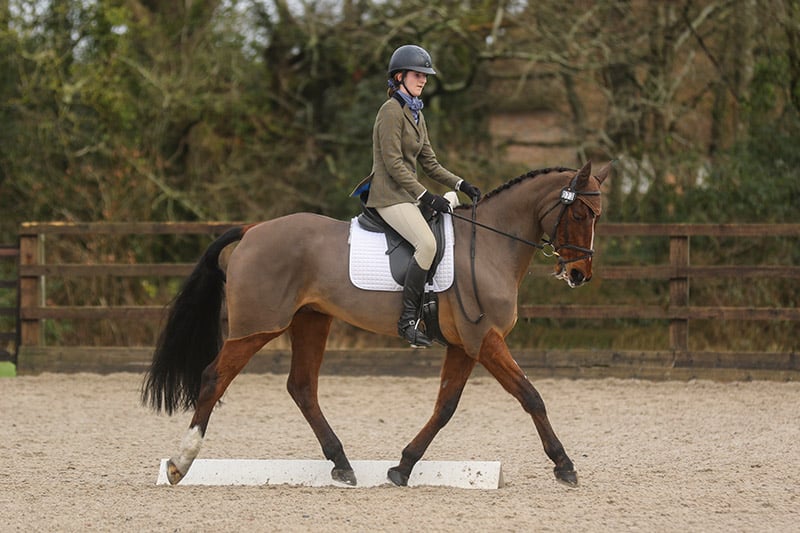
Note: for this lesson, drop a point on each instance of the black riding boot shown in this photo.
(412, 299)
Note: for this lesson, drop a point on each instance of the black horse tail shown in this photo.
(192, 336)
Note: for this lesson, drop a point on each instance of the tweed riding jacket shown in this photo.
(398, 144)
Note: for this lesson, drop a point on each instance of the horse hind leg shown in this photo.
(309, 333)
(456, 369)
(497, 359)
(230, 360)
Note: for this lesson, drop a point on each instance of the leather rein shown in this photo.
(548, 247)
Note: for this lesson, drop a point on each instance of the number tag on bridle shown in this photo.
(567, 196)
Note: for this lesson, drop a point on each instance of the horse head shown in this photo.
(573, 219)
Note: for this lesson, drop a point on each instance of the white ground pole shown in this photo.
(317, 473)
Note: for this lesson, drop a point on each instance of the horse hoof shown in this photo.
(346, 476)
(397, 477)
(567, 477)
(174, 476)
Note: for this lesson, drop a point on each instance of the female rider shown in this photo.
(399, 142)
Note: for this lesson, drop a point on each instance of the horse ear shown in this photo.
(582, 177)
(602, 174)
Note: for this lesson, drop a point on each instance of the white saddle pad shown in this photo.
(369, 264)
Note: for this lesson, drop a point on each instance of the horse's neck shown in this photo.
(515, 212)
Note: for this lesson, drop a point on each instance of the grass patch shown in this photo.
(7, 370)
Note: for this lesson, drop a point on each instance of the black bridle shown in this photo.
(548, 247)
(568, 196)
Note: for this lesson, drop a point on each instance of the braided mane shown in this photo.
(528, 175)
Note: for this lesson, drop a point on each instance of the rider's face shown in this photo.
(415, 82)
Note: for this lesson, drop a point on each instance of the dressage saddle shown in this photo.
(398, 249)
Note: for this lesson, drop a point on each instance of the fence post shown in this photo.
(679, 291)
(30, 288)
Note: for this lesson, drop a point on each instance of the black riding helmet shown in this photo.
(411, 57)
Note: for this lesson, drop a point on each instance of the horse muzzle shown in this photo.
(572, 273)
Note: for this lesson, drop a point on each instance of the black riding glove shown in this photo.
(470, 190)
(438, 203)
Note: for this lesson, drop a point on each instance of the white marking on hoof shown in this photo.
(190, 447)
(174, 476)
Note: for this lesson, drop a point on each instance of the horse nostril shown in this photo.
(576, 276)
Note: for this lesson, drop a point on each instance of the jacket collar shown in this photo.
(407, 112)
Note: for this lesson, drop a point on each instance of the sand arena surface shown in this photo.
(79, 453)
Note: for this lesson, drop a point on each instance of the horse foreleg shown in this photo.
(497, 359)
(309, 333)
(230, 360)
(456, 369)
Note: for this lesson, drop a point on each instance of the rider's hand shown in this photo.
(470, 190)
(438, 203)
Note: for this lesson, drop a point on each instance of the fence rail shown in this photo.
(33, 271)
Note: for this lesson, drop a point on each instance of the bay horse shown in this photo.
(290, 275)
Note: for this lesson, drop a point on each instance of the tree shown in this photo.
(245, 110)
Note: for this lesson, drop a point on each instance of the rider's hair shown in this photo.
(394, 85)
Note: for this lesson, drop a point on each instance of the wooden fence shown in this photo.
(9, 342)
(674, 361)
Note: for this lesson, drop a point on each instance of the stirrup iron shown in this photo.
(414, 336)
